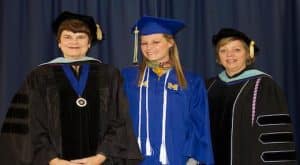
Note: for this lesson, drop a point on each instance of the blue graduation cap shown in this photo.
(151, 25)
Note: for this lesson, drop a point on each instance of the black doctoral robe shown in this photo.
(44, 122)
(250, 122)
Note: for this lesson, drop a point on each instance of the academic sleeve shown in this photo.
(275, 123)
(119, 141)
(272, 97)
(198, 145)
(15, 138)
(24, 139)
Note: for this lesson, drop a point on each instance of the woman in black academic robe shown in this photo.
(71, 110)
(250, 122)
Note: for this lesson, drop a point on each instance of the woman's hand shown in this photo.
(57, 161)
(92, 160)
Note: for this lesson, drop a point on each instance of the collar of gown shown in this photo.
(62, 60)
(245, 75)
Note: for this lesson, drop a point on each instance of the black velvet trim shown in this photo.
(278, 156)
(17, 113)
(16, 128)
(20, 99)
(280, 137)
(274, 119)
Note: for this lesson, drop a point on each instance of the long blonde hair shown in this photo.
(175, 61)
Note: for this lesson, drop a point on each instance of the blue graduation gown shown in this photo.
(187, 117)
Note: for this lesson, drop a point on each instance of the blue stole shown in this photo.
(78, 85)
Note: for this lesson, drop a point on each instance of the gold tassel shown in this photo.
(99, 32)
(135, 51)
(252, 43)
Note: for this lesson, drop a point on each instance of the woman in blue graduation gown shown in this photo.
(168, 107)
(250, 121)
(71, 110)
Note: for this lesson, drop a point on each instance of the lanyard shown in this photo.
(78, 85)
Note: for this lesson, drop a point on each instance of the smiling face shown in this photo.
(74, 45)
(155, 47)
(233, 56)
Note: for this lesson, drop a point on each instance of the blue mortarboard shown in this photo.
(151, 25)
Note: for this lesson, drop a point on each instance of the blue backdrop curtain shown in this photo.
(26, 39)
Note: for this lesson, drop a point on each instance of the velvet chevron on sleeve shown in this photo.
(44, 120)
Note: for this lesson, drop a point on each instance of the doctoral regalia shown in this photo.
(44, 120)
(250, 122)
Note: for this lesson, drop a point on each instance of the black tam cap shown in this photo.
(229, 32)
(88, 20)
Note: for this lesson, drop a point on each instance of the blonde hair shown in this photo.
(175, 61)
(225, 41)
